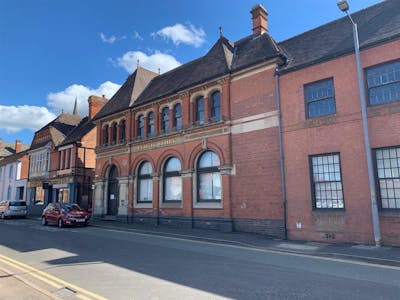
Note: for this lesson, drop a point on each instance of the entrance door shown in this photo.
(112, 197)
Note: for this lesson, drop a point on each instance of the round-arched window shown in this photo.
(209, 187)
(165, 120)
(140, 127)
(216, 106)
(150, 124)
(177, 116)
(105, 135)
(114, 133)
(122, 131)
(145, 183)
(172, 180)
(200, 110)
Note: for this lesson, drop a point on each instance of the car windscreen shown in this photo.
(17, 203)
(70, 207)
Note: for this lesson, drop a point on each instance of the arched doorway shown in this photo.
(112, 195)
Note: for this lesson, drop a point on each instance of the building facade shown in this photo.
(14, 174)
(43, 144)
(261, 136)
(196, 146)
(328, 195)
(72, 162)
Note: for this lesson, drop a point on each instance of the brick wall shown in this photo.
(341, 132)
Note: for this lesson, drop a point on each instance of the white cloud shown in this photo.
(151, 62)
(136, 36)
(179, 33)
(65, 100)
(111, 39)
(24, 117)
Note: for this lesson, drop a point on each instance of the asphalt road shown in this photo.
(127, 265)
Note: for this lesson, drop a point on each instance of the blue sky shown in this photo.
(52, 51)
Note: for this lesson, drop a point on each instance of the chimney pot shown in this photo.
(260, 21)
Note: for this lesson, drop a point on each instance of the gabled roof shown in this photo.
(223, 58)
(13, 158)
(376, 24)
(59, 128)
(211, 65)
(83, 128)
(9, 148)
(128, 92)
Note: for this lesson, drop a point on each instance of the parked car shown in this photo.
(10, 209)
(63, 214)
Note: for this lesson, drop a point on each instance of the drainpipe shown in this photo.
(281, 155)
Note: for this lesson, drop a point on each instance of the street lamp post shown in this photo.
(344, 7)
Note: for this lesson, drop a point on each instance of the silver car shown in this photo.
(10, 209)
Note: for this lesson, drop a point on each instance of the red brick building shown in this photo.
(328, 195)
(72, 162)
(45, 141)
(196, 146)
(200, 145)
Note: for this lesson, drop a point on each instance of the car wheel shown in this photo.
(85, 224)
(3, 216)
(60, 223)
(44, 221)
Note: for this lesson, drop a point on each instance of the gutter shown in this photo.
(281, 153)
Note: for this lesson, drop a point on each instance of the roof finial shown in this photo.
(137, 64)
(220, 31)
(159, 71)
(75, 112)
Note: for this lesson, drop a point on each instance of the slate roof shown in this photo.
(376, 24)
(13, 158)
(83, 128)
(128, 92)
(9, 148)
(59, 128)
(224, 57)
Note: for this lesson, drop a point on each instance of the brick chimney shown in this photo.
(18, 146)
(260, 22)
(95, 104)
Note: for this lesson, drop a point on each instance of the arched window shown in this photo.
(165, 119)
(105, 135)
(112, 191)
(145, 183)
(172, 180)
(122, 131)
(216, 106)
(114, 133)
(140, 127)
(200, 110)
(150, 124)
(208, 178)
(177, 116)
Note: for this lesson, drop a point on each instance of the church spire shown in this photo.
(75, 112)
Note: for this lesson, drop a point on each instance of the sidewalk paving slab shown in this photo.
(384, 255)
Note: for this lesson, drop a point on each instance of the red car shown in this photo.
(65, 214)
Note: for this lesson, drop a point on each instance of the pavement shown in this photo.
(14, 287)
(383, 255)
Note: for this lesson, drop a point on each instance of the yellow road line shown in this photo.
(30, 283)
(31, 273)
(43, 275)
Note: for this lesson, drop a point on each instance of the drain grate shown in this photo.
(65, 292)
